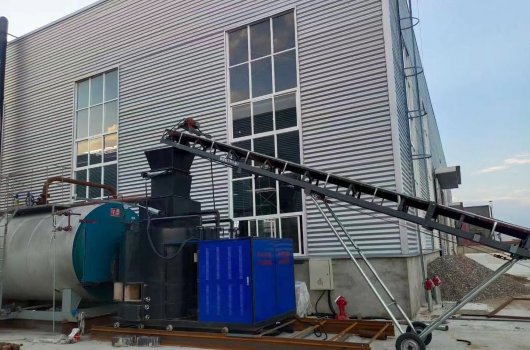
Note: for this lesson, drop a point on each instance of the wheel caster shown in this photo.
(169, 327)
(410, 341)
(116, 325)
(140, 326)
(419, 327)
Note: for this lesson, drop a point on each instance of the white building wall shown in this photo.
(171, 59)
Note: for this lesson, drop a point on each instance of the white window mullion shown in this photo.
(101, 192)
(280, 231)
(253, 192)
(249, 66)
(272, 57)
(87, 173)
(88, 115)
(277, 183)
(299, 234)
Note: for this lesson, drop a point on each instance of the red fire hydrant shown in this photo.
(436, 280)
(429, 284)
(341, 303)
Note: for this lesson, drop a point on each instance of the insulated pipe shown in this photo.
(44, 195)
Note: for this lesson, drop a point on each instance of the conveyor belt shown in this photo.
(427, 214)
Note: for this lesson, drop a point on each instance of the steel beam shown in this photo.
(221, 341)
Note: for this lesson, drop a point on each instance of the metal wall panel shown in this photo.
(346, 117)
(399, 13)
(171, 58)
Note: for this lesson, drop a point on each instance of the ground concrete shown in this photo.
(521, 269)
(483, 335)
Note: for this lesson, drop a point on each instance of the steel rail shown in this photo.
(222, 341)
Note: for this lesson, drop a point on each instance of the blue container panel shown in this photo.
(225, 293)
(285, 295)
(264, 279)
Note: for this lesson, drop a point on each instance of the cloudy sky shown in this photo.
(476, 55)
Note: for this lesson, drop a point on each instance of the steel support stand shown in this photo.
(367, 279)
(499, 272)
(4, 243)
(370, 266)
(54, 266)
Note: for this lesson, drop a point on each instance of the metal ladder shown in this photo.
(321, 185)
(390, 300)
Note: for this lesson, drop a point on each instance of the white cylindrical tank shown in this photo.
(39, 259)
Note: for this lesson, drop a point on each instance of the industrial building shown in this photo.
(333, 85)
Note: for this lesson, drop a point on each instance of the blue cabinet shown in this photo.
(246, 281)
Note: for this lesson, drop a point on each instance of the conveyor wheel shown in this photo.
(410, 341)
(419, 327)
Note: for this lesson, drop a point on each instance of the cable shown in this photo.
(421, 37)
(318, 331)
(167, 257)
(150, 239)
(330, 304)
(8, 34)
(316, 304)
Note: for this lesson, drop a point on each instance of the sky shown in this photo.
(476, 56)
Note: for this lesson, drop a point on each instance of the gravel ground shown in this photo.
(460, 274)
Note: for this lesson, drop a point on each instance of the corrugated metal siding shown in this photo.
(401, 95)
(433, 141)
(172, 65)
(407, 173)
(345, 115)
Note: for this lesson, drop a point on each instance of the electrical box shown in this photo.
(321, 274)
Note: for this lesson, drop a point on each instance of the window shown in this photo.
(263, 115)
(96, 133)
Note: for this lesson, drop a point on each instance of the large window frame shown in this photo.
(269, 225)
(109, 105)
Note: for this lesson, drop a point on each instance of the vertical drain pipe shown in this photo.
(419, 109)
(417, 191)
(3, 50)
